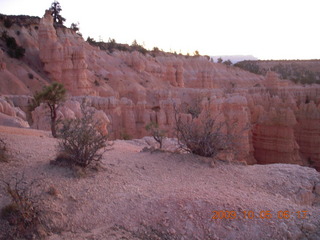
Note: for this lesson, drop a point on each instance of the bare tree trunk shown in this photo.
(53, 112)
(53, 127)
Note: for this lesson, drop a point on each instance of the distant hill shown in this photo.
(303, 71)
(233, 58)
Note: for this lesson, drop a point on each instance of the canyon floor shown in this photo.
(139, 194)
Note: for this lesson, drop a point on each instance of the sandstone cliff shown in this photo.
(280, 118)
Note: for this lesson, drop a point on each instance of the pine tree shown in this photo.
(56, 9)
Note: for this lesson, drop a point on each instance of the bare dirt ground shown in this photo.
(164, 195)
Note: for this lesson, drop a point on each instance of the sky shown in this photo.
(266, 29)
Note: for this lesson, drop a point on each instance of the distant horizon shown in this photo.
(277, 30)
(225, 57)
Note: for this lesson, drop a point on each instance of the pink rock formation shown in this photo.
(237, 115)
(273, 136)
(10, 115)
(64, 62)
(307, 133)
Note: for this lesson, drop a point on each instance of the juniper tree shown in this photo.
(52, 95)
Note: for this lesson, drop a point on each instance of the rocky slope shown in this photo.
(133, 89)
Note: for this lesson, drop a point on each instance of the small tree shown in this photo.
(75, 27)
(138, 47)
(56, 9)
(157, 133)
(52, 95)
(90, 40)
(156, 49)
(81, 143)
(219, 60)
(227, 62)
(111, 44)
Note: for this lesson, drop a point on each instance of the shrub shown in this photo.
(111, 45)
(157, 133)
(75, 27)
(96, 82)
(81, 143)
(23, 213)
(3, 151)
(125, 136)
(196, 53)
(227, 62)
(7, 23)
(203, 135)
(138, 47)
(156, 49)
(30, 75)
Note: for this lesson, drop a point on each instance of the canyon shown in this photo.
(278, 120)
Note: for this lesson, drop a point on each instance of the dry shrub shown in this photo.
(203, 134)
(52, 191)
(23, 213)
(157, 133)
(81, 143)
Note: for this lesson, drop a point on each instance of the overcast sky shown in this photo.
(267, 29)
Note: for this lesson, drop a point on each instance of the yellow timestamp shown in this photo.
(259, 214)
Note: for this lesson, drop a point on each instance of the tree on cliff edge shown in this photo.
(52, 95)
(55, 12)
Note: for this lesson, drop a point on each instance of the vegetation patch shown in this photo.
(23, 214)
(157, 133)
(203, 134)
(81, 143)
(296, 71)
(14, 50)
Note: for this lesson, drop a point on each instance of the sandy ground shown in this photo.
(165, 195)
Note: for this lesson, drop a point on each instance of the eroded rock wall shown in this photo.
(63, 61)
(276, 120)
